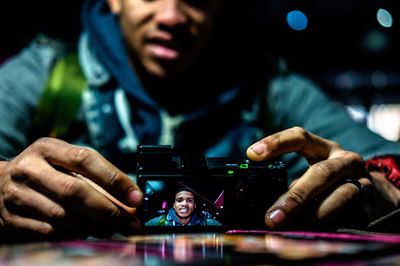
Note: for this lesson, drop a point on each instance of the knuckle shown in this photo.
(300, 137)
(354, 162)
(70, 189)
(354, 157)
(301, 132)
(41, 143)
(23, 168)
(82, 157)
(275, 140)
(11, 193)
(12, 222)
(298, 196)
(321, 169)
(114, 178)
(20, 166)
(8, 221)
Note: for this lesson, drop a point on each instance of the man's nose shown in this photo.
(185, 203)
(170, 13)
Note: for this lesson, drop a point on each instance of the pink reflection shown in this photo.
(183, 249)
(219, 202)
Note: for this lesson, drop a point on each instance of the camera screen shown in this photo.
(183, 205)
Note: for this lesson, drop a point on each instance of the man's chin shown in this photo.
(165, 69)
(183, 215)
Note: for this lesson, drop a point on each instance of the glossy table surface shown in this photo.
(233, 248)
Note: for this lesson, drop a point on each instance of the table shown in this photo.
(231, 248)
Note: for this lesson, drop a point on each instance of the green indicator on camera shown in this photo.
(231, 172)
(244, 166)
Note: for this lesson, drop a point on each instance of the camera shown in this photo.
(186, 193)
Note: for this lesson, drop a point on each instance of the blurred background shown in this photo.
(350, 47)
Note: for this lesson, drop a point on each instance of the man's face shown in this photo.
(184, 204)
(165, 35)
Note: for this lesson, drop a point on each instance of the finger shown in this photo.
(24, 201)
(14, 223)
(92, 165)
(73, 192)
(390, 192)
(106, 194)
(295, 139)
(328, 162)
(317, 179)
(344, 197)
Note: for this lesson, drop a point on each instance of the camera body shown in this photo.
(236, 192)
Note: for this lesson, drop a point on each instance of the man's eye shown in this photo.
(179, 199)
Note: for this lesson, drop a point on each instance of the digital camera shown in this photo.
(221, 193)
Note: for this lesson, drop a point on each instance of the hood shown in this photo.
(219, 113)
(105, 36)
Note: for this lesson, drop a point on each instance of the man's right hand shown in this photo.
(41, 196)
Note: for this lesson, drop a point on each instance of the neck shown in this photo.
(197, 87)
(184, 221)
(193, 87)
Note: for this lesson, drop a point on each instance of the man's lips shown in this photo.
(165, 46)
(163, 52)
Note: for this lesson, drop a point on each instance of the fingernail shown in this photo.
(277, 216)
(134, 196)
(259, 148)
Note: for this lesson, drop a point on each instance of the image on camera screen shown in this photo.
(191, 205)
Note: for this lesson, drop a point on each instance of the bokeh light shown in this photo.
(384, 18)
(297, 20)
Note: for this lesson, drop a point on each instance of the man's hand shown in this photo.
(49, 190)
(321, 196)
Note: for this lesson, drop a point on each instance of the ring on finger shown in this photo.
(357, 183)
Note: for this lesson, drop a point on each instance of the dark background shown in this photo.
(344, 48)
(21, 20)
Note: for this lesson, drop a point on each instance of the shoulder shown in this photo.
(153, 221)
(287, 90)
(212, 222)
(22, 79)
(31, 66)
(52, 45)
(42, 50)
(157, 221)
(291, 82)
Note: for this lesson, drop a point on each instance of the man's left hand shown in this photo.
(335, 183)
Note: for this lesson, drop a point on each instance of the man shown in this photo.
(183, 212)
(158, 72)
